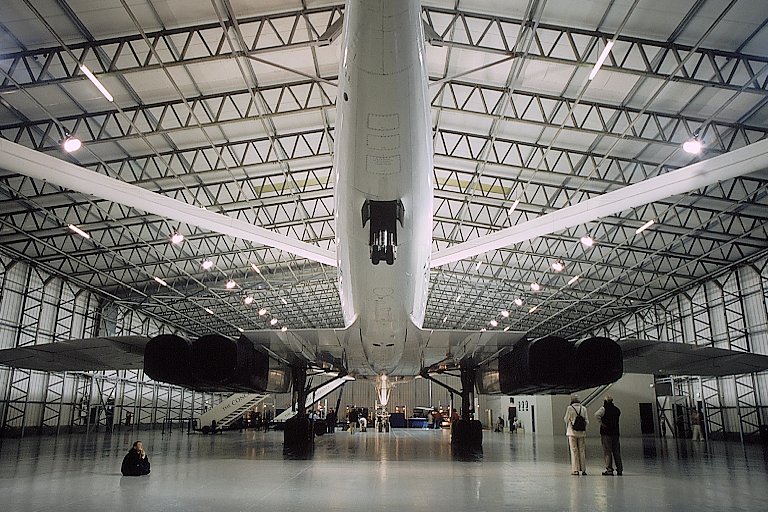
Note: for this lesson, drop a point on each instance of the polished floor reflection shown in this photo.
(410, 470)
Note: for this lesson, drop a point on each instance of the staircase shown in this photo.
(230, 409)
(312, 398)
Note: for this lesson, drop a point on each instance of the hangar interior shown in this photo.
(230, 105)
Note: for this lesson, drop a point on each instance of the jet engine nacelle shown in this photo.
(214, 363)
(552, 365)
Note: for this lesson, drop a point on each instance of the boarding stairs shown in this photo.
(231, 409)
(313, 397)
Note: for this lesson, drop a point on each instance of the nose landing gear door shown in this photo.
(383, 217)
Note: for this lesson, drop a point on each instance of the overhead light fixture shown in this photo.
(262, 312)
(207, 264)
(241, 329)
(159, 280)
(208, 310)
(483, 329)
(273, 321)
(177, 238)
(587, 240)
(494, 323)
(445, 318)
(103, 90)
(505, 313)
(506, 328)
(645, 226)
(79, 231)
(601, 59)
(71, 144)
(248, 299)
(534, 308)
(255, 267)
(348, 377)
(230, 284)
(693, 146)
(285, 303)
(283, 328)
(513, 207)
(573, 280)
(477, 267)
(558, 266)
(518, 301)
(535, 286)
(458, 297)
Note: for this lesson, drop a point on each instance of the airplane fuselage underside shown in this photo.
(383, 162)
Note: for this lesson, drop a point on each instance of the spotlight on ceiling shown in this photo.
(518, 301)
(262, 312)
(248, 300)
(693, 146)
(494, 323)
(230, 284)
(535, 286)
(177, 238)
(241, 329)
(283, 328)
(273, 321)
(587, 240)
(207, 264)
(505, 313)
(558, 266)
(71, 144)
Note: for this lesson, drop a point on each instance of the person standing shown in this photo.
(135, 462)
(352, 419)
(608, 416)
(696, 425)
(330, 421)
(576, 422)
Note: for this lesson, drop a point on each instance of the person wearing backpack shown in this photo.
(576, 422)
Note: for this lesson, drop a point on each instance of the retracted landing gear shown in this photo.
(384, 217)
(298, 438)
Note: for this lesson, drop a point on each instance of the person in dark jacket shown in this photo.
(608, 415)
(330, 421)
(135, 462)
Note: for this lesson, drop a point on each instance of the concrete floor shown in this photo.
(405, 470)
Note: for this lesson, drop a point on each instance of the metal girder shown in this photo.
(742, 161)
(579, 47)
(550, 111)
(21, 160)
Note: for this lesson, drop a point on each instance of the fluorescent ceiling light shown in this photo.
(573, 280)
(79, 231)
(601, 59)
(506, 328)
(72, 144)
(587, 240)
(161, 281)
(348, 377)
(534, 308)
(241, 329)
(645, 226)
(283, 301)
(693, 146)
(513, 207)
(103, 90)
(207, 264)
(208, 310)
(518, 301)
(445, 318)
(256, 268)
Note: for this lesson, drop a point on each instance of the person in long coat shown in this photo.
(135, 462)
(577, 439)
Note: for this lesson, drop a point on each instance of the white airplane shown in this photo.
(384, 186)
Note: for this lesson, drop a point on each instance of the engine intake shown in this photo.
(214, 363)
(552, 365)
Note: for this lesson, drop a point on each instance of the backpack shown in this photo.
(579, 423)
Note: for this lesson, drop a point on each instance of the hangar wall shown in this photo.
(39, 308)
(730, 310)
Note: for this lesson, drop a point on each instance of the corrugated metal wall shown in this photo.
(37, 308)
